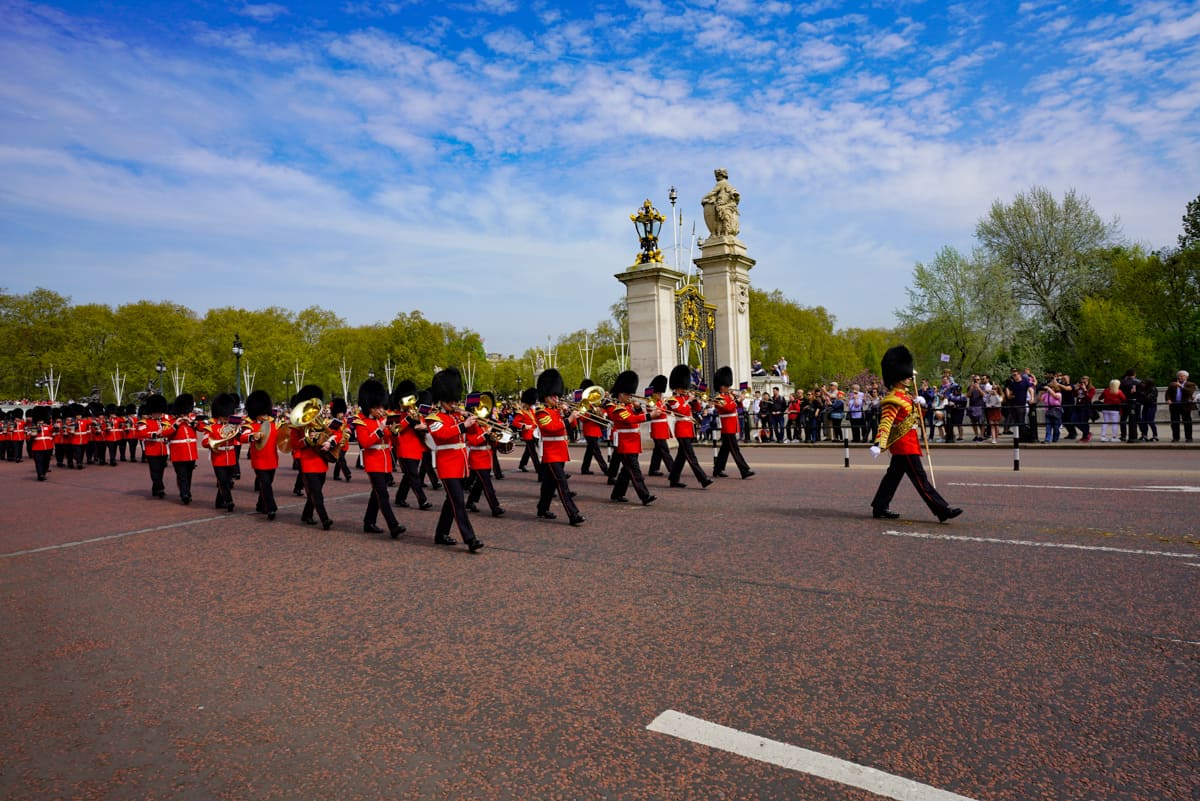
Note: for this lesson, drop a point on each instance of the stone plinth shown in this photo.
(650, 296)
(725, 268)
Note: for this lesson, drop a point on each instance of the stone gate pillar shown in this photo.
(725, 269)
(650, 297)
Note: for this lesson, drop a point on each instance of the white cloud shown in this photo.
(262, 12)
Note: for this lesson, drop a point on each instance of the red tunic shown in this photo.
(682, 407)
(660, 427)
(42, 435)
(591, 428)
(81, 434)
(264, 455)
(555, 444)
(411, 443)
(376, 441)
(727, 409)
(627, 429)
(148, 431)
(524, 422)
(225, 454)
(449, 445)
(479, 450)
(183, 441)
(894, 410)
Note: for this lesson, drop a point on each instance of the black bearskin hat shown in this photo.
(258, 403)
(587, 382)
(110, 409)
(424, 398)
(897, 365)
(18, 414)
(529, 396)
(447, 386)
(681, 377)
(308, 392)
(550, 382)
(155, 404)
(723, 378)
(40, 414)
(95, 409)
(337, 406)
(184, 404)
(372, 394)
(626, 384)
(659, 384)
(131, 409)
(224, 405)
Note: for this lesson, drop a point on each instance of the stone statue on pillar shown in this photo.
(720, 207)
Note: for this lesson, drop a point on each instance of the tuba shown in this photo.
(309, 417)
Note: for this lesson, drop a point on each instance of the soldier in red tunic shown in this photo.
(593, 431)
(727, 411)
(448, 427)
(410, 446)
(660, 428)
(683, 407)
(183, 443)
(338, 409)
(898, 422)
(555, 448)
(375, 441)
(79, 435)
(154, 445)
(314, 462)
(525, 424)
(480, 447)
(41, 439)
(262, 436)
(627, 419)
(221, 436)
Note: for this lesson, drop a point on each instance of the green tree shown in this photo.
(1053, 253)
(1191, 225)
(1111, 339)
(962, 307)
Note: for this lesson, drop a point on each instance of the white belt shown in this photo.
(726, 416)
(475, 448)
(383, 446)
(554, 439)
(455, 447)
(182, 441)
(222, 448)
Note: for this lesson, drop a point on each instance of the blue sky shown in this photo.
(477, 161)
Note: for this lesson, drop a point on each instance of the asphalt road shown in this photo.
(1045, 645)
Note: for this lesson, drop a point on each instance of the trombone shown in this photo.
(590, 399)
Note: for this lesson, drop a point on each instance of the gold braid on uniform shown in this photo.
(889, 408)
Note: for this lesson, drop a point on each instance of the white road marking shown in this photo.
(723, 738)
(1035, 544)
(1148, 488)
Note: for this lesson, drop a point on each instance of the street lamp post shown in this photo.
(287, 389)
(238, 350)
(160, 368)
(648, 222)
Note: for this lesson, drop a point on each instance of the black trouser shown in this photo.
(592, 451)
(411, 480)
(298, 487)
(314, 490)
(75, 456)
(1129, 421)
(910, 465)
(497, 470)
(687, 454)
(427, 469)
(112, 453)
(1147, 425)
(479, 484)
(554, 479)
(858, 429)
(122, 446)
(264, 480)
(183, 478)
(158, 466)
(340, 467)
(225, 474)
(454, 510)
(530, 455)
(660, 456)
(60, 452)
(1181, 417)
(41, 462)
(629, 472)
(237, 465)
(729, 447)
(379, 502)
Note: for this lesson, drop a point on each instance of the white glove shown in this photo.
(875, 451)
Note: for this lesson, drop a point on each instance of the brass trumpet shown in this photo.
(590, 399)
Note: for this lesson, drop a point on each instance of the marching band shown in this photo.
(418, 433)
